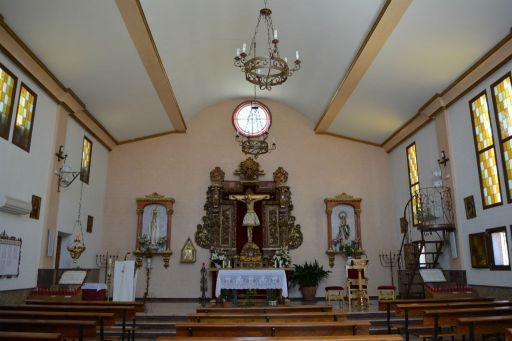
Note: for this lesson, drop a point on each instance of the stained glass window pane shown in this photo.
(7, 88)
(86, 160)
(489, 176)
(482, 122)
(413, 164)
(503, 99)
(502, 93)
(414, 181)
(507, 159)
(24, 118)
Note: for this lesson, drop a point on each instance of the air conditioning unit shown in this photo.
(14, 206)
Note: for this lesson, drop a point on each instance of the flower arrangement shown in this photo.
(281, 257)
(217, 257)
(147, 248)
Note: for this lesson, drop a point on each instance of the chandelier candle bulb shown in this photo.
(286, 60)
(238, 51)
(297, 54)
(275, 34)
(243, 47)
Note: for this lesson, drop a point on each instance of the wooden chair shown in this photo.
(357, 284)
(335, 293)
(386, 292)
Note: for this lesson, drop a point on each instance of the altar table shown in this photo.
(252, 279)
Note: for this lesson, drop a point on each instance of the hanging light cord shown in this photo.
(78, 219)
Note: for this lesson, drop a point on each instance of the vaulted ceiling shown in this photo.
(147, 67)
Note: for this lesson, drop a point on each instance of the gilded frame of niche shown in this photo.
(164, 208)
(343, 221)
(218, 229)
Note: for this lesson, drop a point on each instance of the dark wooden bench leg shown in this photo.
(407, 324)
(273, 331)
(389, 317)
(189, 329)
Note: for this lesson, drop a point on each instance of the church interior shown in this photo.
(229, 154)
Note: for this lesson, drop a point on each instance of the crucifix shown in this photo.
(250, 253)
(251, 218)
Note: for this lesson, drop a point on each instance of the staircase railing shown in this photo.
(433, 213)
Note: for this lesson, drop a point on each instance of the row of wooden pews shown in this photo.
(456, 317)
(284, 322)
(70, 320)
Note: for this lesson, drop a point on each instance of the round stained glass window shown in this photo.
(252, 118)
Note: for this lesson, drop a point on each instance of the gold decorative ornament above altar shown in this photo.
(269, 217)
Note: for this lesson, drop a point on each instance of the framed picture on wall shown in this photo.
(478, 250)
(469, 206)
(36, 207)
(90, 221)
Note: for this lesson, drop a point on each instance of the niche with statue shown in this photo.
(154, 221)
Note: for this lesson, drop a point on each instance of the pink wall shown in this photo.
(178, 165)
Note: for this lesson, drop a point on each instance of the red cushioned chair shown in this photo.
(386, 292)
(335, 293)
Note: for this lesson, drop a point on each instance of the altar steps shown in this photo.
(149, 327)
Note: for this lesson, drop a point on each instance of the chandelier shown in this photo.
(76, 248)
(255, 146)
(265, 71)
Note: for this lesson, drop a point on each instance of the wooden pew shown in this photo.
(138, 306)
(483, 325)
(508, 335)
(272, 329)
(265, 309)
(72, 329)
(448, 317)
(103, 319)
(393, 337)
(120, 312)
(268, 317)
(389, 305)
(417, 309)
(25, 336)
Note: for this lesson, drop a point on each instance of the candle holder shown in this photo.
(106, 261)
(390, 260)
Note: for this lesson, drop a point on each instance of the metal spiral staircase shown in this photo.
(428, 216)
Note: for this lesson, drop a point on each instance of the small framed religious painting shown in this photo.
(154, 221)
(469, 206)
(188, 252)
(90, 222)
(36, 207)
(478, 250)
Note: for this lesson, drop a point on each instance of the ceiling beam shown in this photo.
(389, 17)
(135, 21)
(500, 54)
(21, 54)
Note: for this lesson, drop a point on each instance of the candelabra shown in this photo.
(391, 260)
(148, 277)
(203, 285)
(106, 261)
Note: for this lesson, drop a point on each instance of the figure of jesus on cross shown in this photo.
(250, 218)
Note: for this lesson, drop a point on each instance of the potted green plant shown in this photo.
(272, 297)
(307, 277)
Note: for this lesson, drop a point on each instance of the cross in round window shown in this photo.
(252, 118)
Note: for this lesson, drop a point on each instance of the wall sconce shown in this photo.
(65, 173)
(443, 160)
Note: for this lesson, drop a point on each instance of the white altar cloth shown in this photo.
(251, 279)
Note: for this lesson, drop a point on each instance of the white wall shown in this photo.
(178, 165)
(465, 176)
(23, 174)
(93, 197)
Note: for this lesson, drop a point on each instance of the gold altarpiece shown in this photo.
(221, 227)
